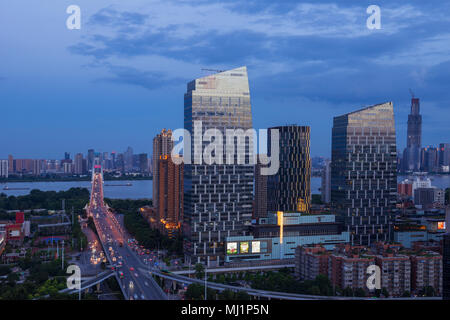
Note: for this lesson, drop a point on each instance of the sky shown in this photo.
(120, 79)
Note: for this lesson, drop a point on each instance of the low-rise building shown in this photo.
(426, 271)
(310, 261)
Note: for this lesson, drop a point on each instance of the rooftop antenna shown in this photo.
(412, 93)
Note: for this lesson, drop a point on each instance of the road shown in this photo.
(115, 242)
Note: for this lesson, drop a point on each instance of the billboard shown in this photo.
(243, 248)
(231, 247)
(441, 225)
(256, 246)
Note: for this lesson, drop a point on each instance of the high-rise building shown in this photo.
(11, 168)
(326, 182)
(128, 158)
(411, 155)
(90, 159)
(444, 154)
(217, 197)
(162, 146)
(78, 168)
(290, 188)
(260, 204)
(363, 172)
(430, 159)
(170, 202)
(113, 160)
(143, 163)
(446, 255)
(4, 168)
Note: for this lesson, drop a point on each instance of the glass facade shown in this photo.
(363, 174)
(290, 188)
(217, 197)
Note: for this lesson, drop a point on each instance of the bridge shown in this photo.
(136, 278)
(114, 242)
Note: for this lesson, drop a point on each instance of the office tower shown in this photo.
(11, 168)
(170, 195)
(113, 160)
(162, 146)
(260, 204)
(66, 155)
(120, 162)
(290, 188)
(143, 163)
(105, 160)
(326, 182)
(128, 158)
(78, 169)
(4, 168)
(217, 197)
(444, 155)
(90, 159)
(430, 159)
(363, 172)
(411, 155)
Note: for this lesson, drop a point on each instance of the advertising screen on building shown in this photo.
(256, 247)
(441, 225)
(243, 247)
(231, 247)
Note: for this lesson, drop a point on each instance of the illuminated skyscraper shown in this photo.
(290, 188)
(162, 146)
(170, 196)
(363, 172)
(217, 197)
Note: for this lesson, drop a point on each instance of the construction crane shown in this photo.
(213, 70)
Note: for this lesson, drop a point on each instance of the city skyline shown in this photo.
(115, 88)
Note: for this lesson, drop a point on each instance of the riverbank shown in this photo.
(71, 179)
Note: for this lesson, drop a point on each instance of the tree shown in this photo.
(428, 291)
(199, 271)
(359, 292)
(406, 294)
(242, 295)
(347, 292)
(384, 292)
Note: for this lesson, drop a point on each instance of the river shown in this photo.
(142, 189)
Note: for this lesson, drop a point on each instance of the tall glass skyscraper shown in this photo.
(217, 197)
(411, 155)
(290, 188)
(363, 172)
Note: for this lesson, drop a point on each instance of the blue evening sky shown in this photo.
(121, 78)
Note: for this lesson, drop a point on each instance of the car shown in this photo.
(131, 285)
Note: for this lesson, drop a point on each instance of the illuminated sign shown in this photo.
(256, 246)
(441, 225)
(243, 248)
(231, 247)
(280, 216)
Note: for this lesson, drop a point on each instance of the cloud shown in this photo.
(317, 51)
